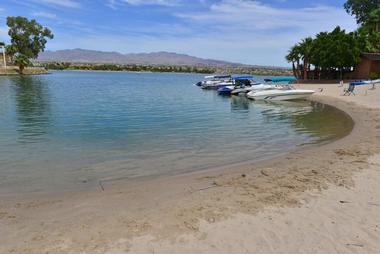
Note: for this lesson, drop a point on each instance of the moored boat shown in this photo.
(211, 82)
(225, 90)
(280, 94)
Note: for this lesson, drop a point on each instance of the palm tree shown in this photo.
(306, 46)
(294, 56)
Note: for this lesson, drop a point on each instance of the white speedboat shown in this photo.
(211, 82)
(280, 94)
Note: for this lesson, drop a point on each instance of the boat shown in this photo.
(279, 89)
(280, 94)
(243, 90)
(225, 90)
(235, 80)
(240, 84)
(211, 82)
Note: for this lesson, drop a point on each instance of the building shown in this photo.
(368, 66)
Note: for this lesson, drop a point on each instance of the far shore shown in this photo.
(14, 71)
(318, 200)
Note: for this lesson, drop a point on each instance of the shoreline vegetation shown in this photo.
(13, 71)
(252, 70)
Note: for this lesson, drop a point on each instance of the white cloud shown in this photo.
(234, 30)
(62, 3)
(149, 2)
(45, 15)
(245, 15)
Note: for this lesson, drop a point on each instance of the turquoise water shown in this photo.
(70, 130)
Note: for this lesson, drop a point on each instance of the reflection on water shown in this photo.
(239, 103)
(320, 121)
(32, 108)
(70, 130)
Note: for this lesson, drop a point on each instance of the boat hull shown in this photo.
(280, 95)
(226, 90)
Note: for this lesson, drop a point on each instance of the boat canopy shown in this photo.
(243, 77)
(218, 76)
(280, 79)
(368, 82)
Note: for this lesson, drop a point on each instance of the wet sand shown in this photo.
(314, 200)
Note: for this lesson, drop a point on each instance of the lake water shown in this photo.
(70, 130)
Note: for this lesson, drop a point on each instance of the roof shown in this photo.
(280, 79)
(243, 77)
(372, 56)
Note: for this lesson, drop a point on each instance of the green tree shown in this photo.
(361, 8)
(372, 24)
(368, 41)
(336, 50)
(306, 47)
(28, 39)
(294, 56)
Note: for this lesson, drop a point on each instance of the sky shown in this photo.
(245, 31)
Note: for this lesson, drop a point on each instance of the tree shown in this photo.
(372, 24)
(306, 51)
(336, 50)
(294, 56)
(367, 41)
(361, 8)
(28, 39)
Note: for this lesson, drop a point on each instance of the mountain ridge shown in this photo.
(155, 58)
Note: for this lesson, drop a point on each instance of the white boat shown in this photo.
(280, 94)
(211, 82)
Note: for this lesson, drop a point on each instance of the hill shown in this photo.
(154, 58)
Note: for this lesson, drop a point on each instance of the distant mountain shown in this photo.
(155, 58)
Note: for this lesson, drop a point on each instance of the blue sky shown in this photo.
(246, 31)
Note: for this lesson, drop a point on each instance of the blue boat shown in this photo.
(238, 81)
(225, 90)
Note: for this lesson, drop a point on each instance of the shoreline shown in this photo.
(11, 71)
(165, 209)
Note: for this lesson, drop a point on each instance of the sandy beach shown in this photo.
(323, 199)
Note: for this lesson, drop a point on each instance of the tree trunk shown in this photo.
(298, 70)
(21, 68)
(305, 64)
(294, 69)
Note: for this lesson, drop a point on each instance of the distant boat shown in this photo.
(210, 82)
(219, 81)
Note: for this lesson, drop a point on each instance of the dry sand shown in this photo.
(320, 200)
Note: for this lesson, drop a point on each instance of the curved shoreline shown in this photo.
(166, 208)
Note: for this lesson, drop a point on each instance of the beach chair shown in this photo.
(350, 90)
